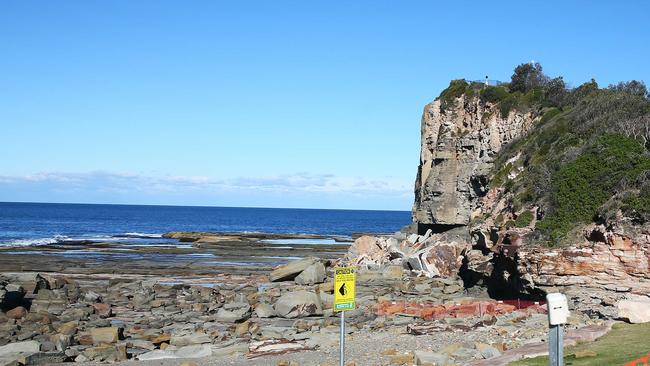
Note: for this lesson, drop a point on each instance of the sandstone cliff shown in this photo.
(457, 154)
(599, 265)
(532, 198)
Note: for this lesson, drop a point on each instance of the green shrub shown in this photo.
(524, 219)
(448, 96)
(581, 162)
(494, 94)
(501, 175)
(550, 114)
(507, 105)
(638, 206)
(533, 97)
(584, 184)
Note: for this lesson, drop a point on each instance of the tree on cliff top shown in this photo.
(633, 87)
(527, 77)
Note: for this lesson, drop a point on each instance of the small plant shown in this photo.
(524, 219)
(455, 90)
(508, 104)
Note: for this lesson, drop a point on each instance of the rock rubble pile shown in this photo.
(50, 318)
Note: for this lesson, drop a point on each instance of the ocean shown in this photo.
(31, 224)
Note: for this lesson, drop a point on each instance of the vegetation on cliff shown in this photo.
(587, 158)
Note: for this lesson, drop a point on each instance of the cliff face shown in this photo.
(457, 153)
(565, 210)
(600, 268)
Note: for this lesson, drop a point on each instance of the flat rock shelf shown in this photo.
(187, 254)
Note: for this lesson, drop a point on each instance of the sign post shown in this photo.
(558, 311)
(344, 283)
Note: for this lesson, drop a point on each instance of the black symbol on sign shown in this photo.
(343, 290)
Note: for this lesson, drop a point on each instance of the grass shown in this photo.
(625, 343)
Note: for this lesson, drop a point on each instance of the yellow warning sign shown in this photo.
(344, 288)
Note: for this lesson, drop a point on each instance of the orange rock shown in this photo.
(103, 310)
(17, 313)
(429, 311)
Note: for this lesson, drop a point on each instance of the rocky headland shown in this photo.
(523, 189)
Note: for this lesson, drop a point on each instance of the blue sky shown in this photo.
(269, 103)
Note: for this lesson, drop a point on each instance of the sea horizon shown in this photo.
(49, 223)
(206, 206)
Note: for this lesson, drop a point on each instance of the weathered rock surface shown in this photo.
(181, 340)
(234, 312)
(457, 152)
(429, 255)
(105, 335)
(106, 353)
(264, 310)
(426, 358)
(313, 274)
(195, 351)
(17, 313)
(27, 347)
(298, 304)
(634, 311)
(290, 270)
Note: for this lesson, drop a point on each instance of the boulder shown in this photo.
(44, 358)
(9, 362)
(68, 328)
(634, 311)
(103, 310)
(234, 312)
(41, 284)
(16, 313)
(162, 338)
(75, 314)
(92, 297)
(425, 358)
(264, 310)
(189, 339)
(106, 353)
(369, 250)
(142, 344)
(241, 329)
(311, 275)
(298, 304)
(290, 270)
(61, 341)
(105, 335)
(326, 300)
(47, 305)
(27, 347)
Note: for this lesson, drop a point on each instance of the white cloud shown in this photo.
(103, 181)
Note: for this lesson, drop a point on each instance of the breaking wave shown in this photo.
(33, 242)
